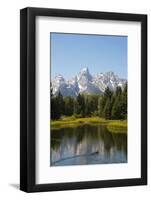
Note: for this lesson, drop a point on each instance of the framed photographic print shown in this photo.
(83, 99)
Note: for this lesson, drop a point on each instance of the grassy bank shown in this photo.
(116, 126)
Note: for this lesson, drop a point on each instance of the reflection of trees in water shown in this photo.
(120, 141)
(86, 139)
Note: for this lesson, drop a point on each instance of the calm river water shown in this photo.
(87, 144)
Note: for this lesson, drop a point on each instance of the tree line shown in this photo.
(109, 105)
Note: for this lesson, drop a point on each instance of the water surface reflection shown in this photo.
(87, 144)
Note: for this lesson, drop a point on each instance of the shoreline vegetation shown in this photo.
(108, 109)
(114, 126)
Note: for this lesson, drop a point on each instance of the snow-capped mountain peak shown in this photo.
(85, 70)
(84, 73)
(84, 82)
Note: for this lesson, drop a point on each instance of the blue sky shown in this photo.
(72, 52)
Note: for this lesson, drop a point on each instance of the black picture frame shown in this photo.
(28, 98)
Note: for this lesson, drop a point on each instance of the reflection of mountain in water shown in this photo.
(87, 144)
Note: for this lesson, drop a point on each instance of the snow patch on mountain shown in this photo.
(84, 82)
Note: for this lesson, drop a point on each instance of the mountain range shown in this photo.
(84, 82)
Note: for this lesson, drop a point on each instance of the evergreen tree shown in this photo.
(117, 108)
(108, 93)
(87, 106)
(68, 105)
(94, 103)
(57, 106)
(118, 91)
(76, 108)
(107, 109)
(107, 104)
(52, 103)
(80, 105)
(101, 105)
(60, 103)
(52, 108)
(117, 105)
(124, 102)
(55, 112)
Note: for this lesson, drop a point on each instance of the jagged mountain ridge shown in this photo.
(84, 82)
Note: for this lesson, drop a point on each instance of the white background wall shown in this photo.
(9, 99)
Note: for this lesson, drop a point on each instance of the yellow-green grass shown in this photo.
(117, 126)
(114, 126)
(72, 122)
